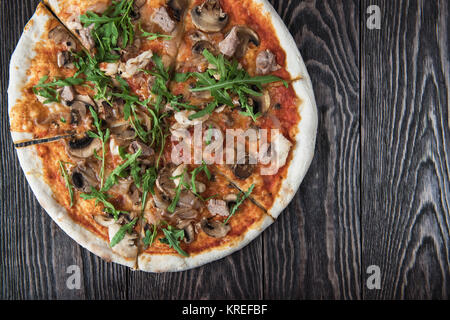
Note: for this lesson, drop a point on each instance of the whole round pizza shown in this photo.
(161, 135)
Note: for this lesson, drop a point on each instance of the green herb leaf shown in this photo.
(207, 110)
(118, 171)
(150, 237)
(69, 186)
(241, 199)
(172, 238)
(103, 198)
(126, 228)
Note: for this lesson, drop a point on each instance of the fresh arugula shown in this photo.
(240, 200)
(172, 238)
(226, 78)
(181, 184)
(126, 228)
(150, 237)
(103, 136)
(48, 90)
(69, 186)
(207, 110)
(153, 36)
(148, 184)
(113, 24)
(103, 198)
(196, 172)
(119, 170)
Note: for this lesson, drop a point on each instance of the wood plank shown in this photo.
(313, 251)
(406, 148)
(35, 252)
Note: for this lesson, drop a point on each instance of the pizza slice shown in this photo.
(46, 94)
(232, 66)
(194, 215)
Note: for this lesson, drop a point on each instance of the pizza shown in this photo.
(161, 134)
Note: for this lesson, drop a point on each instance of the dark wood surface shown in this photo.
(377, 192)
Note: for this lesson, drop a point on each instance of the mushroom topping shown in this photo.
(162, 19)
(132, 66)
(266, 62)
(209, 16)
(201, 45)
(244, 168)
(83, 178)
(160, 200)
(218, 207)
(127, 248)
(237, 41)
(77, 112)
(61, 36)
(177, 8)
(164, 182)
(64, 59)
(215, 229)
(104, 220)
(189, 233)
(83, 147)
(261, 103)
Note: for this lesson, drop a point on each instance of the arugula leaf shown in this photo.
(150, 237)
(241, 199)
(126, 228)
(172, 238)
(103, 136)
(109, 26)
(227, 77)
(69, 186)
(103, 198)
(148, 184)
(153, 36)
(208, 110)
(194, 174)
(172, 206)
(48, 89)
(118, 171)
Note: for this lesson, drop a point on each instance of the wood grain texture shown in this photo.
(406, 149)
(377, 193)
(313, 251)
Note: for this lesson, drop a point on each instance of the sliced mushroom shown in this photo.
(177, 8)
(64, 59)
(209, 16)
(60, 35)
(189, 233)
(201, 45)
(83, 147)
(261, 103)
(104, 220)
(215, 229)
(83, 178)
(237, 41)
(244, 168)
(160, 200)
(127, 248)
(164, 182)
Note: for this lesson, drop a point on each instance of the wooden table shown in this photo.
(377, 192)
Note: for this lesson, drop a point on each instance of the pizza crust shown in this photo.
(302, 156)
(33, 169)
